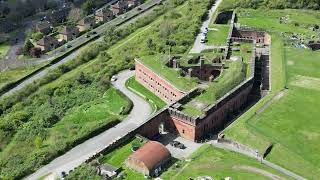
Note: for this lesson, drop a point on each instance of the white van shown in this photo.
(203, 39)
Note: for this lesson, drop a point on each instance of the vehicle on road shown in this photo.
(68, 46)
(93, 32)
(114, 78)
(177, 144)
(87, 36)
(203, 39)
(139, 8)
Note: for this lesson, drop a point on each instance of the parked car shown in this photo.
(63, 174)
(175, 143)
(203, 39)
(114, 78)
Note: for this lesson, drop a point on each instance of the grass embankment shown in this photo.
(4, 48)
(13, 75)
(218, 164)
(155, 102)
(288, 119)
(230, 78)
(218, 34)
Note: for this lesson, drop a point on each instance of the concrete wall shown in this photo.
(157, 84)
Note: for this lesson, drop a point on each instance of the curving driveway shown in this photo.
(76, 156)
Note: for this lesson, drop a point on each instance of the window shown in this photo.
(182, 131)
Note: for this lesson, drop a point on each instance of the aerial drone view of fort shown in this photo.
(160, 89)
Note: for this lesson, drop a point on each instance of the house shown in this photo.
(133, 3)
(47, 43)
(107, 171)
(69, 33)
(103, 15)
(120, 7)
(149, 159)
(43, 27)
(86, 23)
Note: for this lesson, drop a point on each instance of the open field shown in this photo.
(289, 121)
(218, 164)
(154, 100)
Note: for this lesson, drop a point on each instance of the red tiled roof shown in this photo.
(151, 154)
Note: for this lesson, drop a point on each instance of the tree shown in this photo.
(75, 15)
(149, 43)
(27, 46)
(35, 52)
(37, 36)
(88, 7)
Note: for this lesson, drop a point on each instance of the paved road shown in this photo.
(76, 156)
(100, 29)
(198, 46)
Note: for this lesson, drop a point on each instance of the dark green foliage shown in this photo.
(85, 171)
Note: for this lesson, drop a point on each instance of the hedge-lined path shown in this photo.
(140, 112)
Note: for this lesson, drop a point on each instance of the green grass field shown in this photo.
(218, 34)
(155, 102)
(15, 74)
(218, 164)
(90, 116)
(4, 47)
(118, 156)
(289, 122)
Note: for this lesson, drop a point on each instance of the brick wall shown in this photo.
(157, 84)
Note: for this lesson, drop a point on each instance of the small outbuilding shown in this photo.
(149, 159)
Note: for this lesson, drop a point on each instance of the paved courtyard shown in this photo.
(176, 152)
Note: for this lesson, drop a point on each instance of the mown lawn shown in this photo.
(118, 156)
(218, 164)
(290, 121)
(218, 34)
(139, 89)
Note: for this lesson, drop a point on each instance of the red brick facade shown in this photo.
(157, 84)
(197, 129)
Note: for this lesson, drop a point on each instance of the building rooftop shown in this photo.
(151, 154)
(158, 65)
